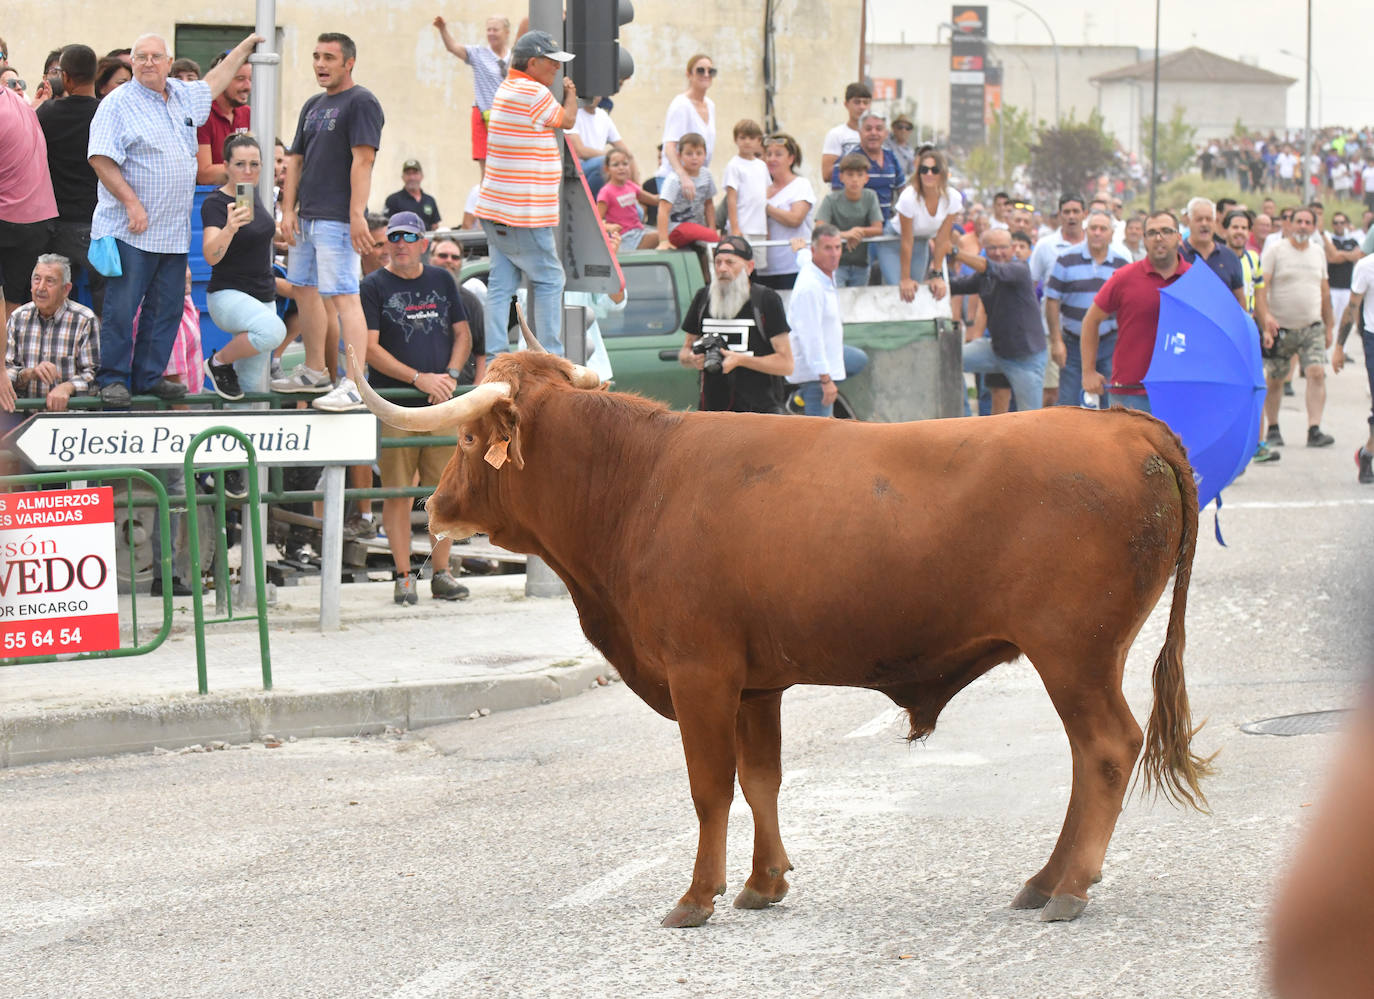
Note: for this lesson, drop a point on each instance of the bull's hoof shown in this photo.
(687, 915)
(1062, 908)
(750, 898)
(1029, 897)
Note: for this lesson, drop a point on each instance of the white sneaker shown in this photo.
(344, 398)
(302, 379)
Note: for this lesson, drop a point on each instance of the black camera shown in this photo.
(713, 345)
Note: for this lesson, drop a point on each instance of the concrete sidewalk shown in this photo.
(389, 666)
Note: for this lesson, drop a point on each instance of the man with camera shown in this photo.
(737, 337)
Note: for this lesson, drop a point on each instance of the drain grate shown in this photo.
(1309, 723)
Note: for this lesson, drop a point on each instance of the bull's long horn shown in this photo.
(531, 341)
(585, 377)
(446, 414)
(581, 377)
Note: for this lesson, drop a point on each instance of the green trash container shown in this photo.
(915, 356)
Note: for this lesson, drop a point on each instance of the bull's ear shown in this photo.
(504, 440)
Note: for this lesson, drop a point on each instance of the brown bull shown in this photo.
(623, 498)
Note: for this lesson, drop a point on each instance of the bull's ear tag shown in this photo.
(496, 454)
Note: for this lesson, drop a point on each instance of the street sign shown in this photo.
(159, 439)
(57, 572)
(967, 64)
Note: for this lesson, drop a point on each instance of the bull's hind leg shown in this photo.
(706, 708)
(1105, 741)
(758, 743)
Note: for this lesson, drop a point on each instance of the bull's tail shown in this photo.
(1169, 764)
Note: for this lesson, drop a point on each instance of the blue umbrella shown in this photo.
(1206, 380)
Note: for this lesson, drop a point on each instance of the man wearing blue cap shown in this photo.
(417, 337)
(518, 202)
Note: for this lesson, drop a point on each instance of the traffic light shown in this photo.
(592, 30)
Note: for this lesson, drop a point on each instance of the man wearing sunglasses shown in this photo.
(448, 255)
(417, 337)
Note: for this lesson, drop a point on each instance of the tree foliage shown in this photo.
(1069, 156)
(1177, 142)
(1008, 144)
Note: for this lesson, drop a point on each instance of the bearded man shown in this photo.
(737, 337)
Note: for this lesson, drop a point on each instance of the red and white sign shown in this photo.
(58, 586)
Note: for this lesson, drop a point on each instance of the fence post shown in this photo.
(331, 559)
(256, 535)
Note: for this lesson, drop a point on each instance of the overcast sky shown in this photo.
(1239, 30)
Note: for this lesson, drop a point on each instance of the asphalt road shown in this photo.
(533, 852)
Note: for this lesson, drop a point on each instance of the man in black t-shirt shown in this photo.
(324, 216)
(417, 337)
(411, 198)
(66, 125)
(750, 319)
(448, 254)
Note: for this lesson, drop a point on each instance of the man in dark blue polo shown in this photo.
(1015, 346)
(885, 179)
(1201, 245)
(1076, 278)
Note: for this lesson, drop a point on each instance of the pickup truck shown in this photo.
(643, 341)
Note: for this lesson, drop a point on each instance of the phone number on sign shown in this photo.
(42, 639)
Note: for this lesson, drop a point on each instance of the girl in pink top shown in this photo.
(617, 203)
(184, 365)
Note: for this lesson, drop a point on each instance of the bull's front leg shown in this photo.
(759, 749)
(706, 718)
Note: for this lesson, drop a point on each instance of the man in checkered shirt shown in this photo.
(51, 341)
(143, 150)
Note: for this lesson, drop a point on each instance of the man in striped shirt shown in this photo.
(489, 63)
(1075, 279)
(518, 202)
(50, 349)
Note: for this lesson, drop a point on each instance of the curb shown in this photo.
(53, 736)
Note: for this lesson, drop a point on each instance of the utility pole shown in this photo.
(1154, 117)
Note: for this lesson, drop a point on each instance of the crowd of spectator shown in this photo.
(83, 204)
(1340, 165)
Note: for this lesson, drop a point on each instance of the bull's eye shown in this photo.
(468, 438)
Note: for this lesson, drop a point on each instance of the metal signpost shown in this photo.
(161, 440)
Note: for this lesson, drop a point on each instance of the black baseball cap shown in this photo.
(737, 245)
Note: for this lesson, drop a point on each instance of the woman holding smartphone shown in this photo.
(242, 291)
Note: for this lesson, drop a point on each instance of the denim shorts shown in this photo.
(324, 258)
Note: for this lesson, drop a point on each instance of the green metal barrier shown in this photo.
(222, 556)
(129, 475)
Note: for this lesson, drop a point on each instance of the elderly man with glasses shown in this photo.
(1132, 295)
(448, 254)
(143, 150)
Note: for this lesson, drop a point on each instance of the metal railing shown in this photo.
(222, 550)
(160, 500)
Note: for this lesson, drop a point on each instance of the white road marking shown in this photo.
(438, 982)
(620, 876)
(920, 756)
(1295, 504)
(878, 725)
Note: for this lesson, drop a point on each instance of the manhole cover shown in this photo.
(1310, 723)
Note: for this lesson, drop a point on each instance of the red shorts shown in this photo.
(479, 134)
(691, 232)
